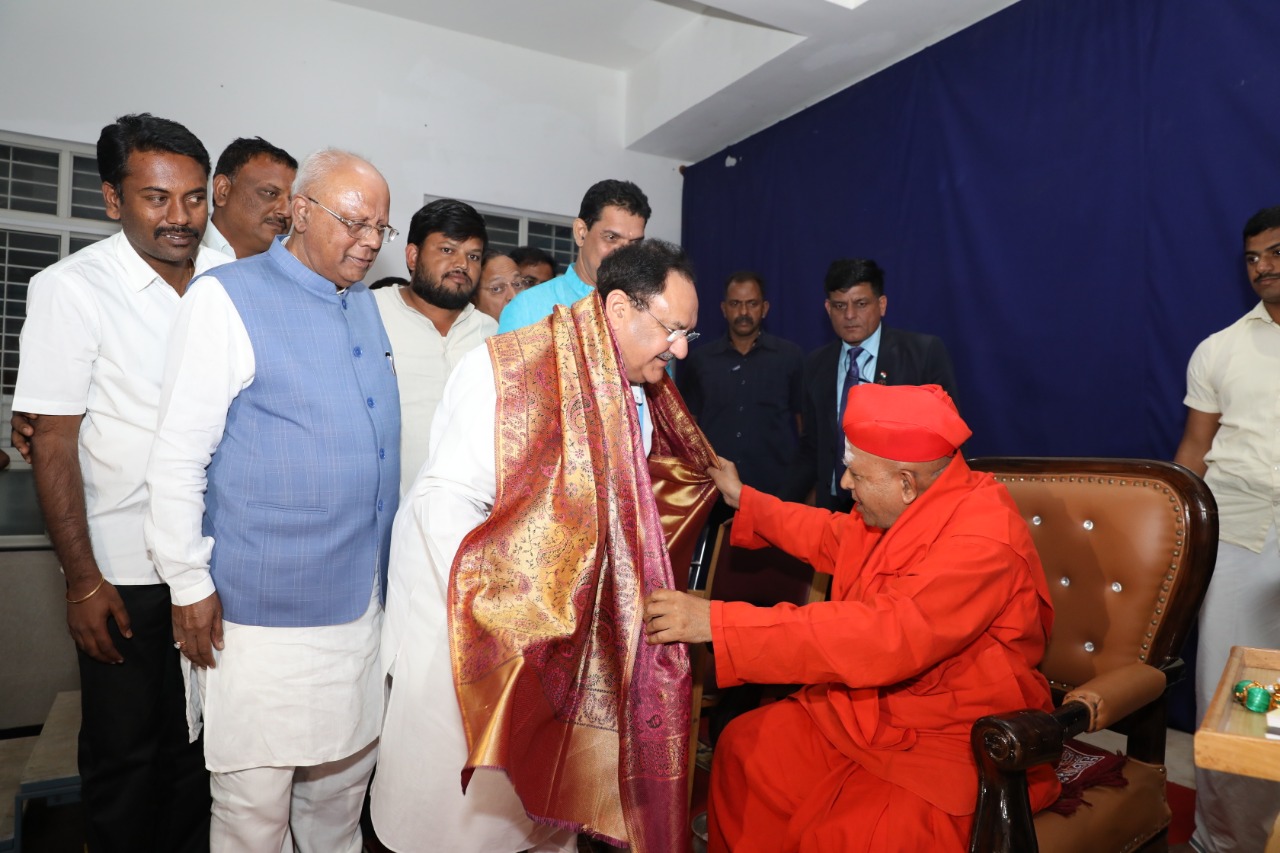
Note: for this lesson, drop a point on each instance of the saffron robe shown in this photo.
(933, 623)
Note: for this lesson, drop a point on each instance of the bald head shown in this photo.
(333, 186)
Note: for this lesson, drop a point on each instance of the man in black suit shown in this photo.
(856, 304)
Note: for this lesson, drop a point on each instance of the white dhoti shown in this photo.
(291, 716)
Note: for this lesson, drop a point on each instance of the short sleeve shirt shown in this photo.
(1235, 373)
(94, 343)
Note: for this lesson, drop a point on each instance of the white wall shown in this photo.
(438, 112)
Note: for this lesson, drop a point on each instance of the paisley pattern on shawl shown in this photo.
(555, 682)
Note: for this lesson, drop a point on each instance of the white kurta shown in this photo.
(418, 803)
(424, 359)
(279, 697)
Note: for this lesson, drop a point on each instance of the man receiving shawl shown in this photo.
(939, 616)
(562, 467)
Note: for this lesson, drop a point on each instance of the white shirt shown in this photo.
(279, 697)
(423, 361)
(94, 343)
(1235, 373)
(214, 240)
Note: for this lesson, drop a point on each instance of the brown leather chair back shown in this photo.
(1115, 537)
(1128, 547)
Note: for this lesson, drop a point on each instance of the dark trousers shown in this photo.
(144, 786)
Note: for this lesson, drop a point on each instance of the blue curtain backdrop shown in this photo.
(1057, 191)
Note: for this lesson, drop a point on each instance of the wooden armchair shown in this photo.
(1128, 546)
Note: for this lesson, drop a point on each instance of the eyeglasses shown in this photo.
(358, 230)
(674, 335)
(517, 284)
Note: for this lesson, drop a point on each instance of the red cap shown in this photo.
(906, 423)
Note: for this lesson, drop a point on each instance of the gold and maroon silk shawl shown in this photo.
(555, 681)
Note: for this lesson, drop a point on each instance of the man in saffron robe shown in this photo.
(939, 616)
(519, 562)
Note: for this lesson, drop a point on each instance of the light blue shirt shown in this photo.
(536, 302)
(866, 362)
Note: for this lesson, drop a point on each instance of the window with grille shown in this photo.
(511, 228)
(50, 206)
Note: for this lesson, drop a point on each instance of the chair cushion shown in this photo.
(1137, 812)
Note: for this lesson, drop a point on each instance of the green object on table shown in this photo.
(1258, 699)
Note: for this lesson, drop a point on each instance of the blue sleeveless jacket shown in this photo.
(305, 483)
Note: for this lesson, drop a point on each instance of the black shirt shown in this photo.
(747, 406)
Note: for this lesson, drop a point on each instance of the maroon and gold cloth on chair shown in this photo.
(556, 684)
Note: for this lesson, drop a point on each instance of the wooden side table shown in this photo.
(1233, 739)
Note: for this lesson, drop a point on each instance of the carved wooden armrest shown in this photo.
(1005, 746)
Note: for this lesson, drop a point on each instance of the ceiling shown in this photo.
(701, 76)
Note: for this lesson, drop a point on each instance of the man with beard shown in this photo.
(250, 197)
(746, 391)
(431, 322)
(92, 358)
(1232, 422)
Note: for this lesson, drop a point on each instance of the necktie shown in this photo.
(851, 377)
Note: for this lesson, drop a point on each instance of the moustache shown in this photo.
(177, 232)
(277, 222)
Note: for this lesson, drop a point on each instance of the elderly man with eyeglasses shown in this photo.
(274, 478)
(564, 483)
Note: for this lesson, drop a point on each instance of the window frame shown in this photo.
(62, 221)
(62, 224)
